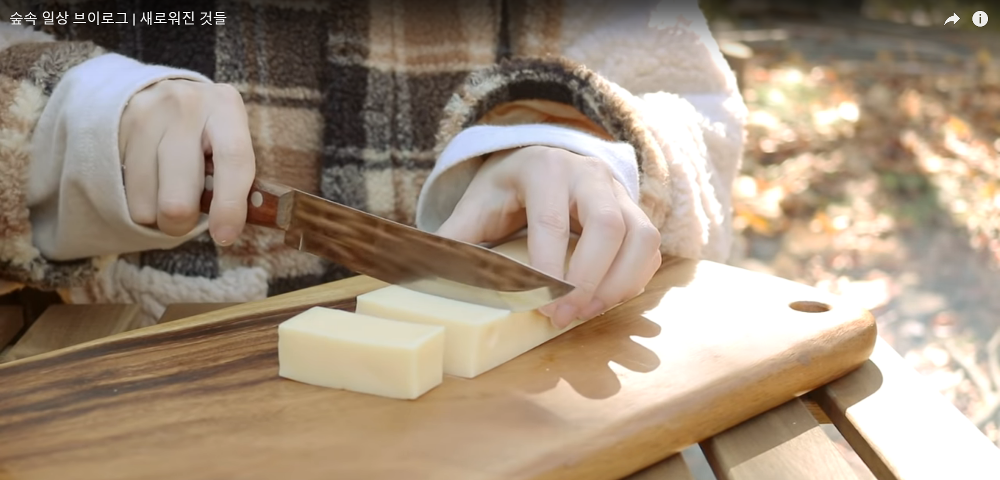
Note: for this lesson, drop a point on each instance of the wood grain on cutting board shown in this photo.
(706, 347)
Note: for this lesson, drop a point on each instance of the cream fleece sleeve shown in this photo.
(75, 191)
(645, 74)
(662, 58)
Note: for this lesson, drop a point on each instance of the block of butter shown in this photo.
(477, 338)
(337, 349)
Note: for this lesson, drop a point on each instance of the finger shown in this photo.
(180, 165)
(141, 175)
(465, 222)
(480, 221)
(546, 199)
(227, 135)
(636, 262)
(600, 216)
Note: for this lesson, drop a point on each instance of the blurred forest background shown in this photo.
(872, 169)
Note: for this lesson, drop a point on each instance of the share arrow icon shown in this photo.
(953, 19)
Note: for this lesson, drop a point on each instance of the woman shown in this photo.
(472, 119)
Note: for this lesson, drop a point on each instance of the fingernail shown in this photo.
(548, 310)
(225, 236)
(565, 315)
(594, 308)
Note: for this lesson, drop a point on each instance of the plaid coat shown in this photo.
(355, 100)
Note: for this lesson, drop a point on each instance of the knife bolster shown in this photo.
(272, 206)
(268, 204)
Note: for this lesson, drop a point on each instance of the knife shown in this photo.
(393, 252)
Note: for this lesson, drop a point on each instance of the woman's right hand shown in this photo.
(166, 131)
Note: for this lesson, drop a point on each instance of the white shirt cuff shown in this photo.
(76, 191)
(462, 158)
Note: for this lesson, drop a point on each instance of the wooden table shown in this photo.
(900, 427)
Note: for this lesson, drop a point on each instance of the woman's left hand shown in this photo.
(553, 192)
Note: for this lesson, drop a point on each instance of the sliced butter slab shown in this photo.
(337, 349)
(477, 338)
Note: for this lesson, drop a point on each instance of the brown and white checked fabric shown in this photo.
(352, 100)
(28, 74)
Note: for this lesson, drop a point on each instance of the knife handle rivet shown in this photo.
(208, 183)
(256, 199)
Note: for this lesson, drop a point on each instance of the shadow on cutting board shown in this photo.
(586, 365)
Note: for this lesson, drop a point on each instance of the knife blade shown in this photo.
(393, 252)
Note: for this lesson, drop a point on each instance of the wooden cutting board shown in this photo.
(704, 348)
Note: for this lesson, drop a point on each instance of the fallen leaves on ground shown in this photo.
(884, 188)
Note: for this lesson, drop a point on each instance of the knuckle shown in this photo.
(648, 237)
(594, 164)
(586, 286)
(181, 93)
(176, 95)
(552, 219)
(545, 165)
(608, 220)
(228, 94)
(177, 211)
(143, 105)
(554, 157)
(138, 106)
(593, 167)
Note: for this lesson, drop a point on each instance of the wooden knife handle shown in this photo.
(264, 203)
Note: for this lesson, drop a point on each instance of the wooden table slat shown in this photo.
(901, 427)
(63, 326)
(816, 411)
(785, 443)
(11, 323)
(35, 302)
(672, 468)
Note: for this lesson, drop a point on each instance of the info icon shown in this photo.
(980, 18)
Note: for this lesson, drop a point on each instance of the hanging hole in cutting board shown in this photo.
(809, 307)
